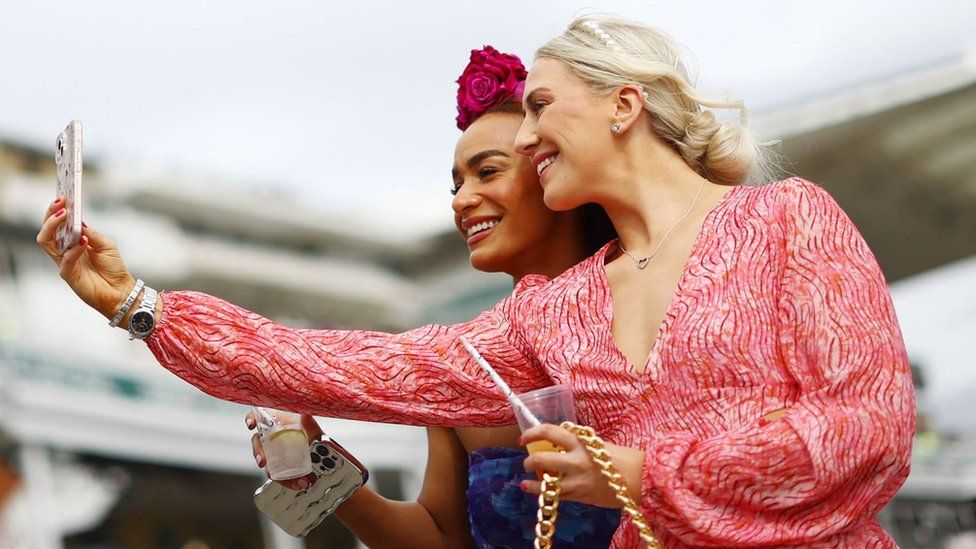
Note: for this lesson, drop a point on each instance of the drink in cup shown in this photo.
(549, 405)
(285, 444)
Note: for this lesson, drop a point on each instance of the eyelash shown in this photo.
(482, 173)
(537, 106)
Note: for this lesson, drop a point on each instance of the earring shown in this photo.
(615, 129)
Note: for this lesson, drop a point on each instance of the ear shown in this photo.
(628, 105)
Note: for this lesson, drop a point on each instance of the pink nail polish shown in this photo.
(260, 461)
(84, 225)
(57, 200)
(60, 213)
(250, 423)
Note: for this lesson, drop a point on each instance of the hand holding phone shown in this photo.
(67, 157)
(297, 512)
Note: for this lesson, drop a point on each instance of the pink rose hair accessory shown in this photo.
(490, 78)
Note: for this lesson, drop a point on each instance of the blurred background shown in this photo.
(294, 160)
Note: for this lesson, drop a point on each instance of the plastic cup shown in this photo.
(285, 445)
(549, 405)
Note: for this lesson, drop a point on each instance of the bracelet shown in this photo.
(128, 303)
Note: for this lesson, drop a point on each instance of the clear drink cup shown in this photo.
(285, 444)
(549, 405)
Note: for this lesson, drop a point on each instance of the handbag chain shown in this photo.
(545, 526)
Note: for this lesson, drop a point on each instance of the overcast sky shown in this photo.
(353, 107)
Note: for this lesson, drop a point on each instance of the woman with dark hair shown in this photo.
(474, 474)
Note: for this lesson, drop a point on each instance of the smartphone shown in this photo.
(297, 512)
(67, 157)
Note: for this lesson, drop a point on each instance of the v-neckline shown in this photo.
(607, 306)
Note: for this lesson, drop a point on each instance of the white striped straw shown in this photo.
(269, 421)
(506, 390)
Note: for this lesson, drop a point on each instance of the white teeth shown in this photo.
(545, 163)
(483, 226)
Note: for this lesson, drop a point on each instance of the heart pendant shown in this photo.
(641, 263)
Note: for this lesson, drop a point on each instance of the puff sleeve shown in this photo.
(420, 377)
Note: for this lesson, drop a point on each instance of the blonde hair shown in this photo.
(608, 52)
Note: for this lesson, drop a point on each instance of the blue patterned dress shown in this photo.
(502, 515)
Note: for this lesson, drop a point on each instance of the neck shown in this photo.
(647, 193)
(564, 248)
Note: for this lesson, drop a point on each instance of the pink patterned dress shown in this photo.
(781, 305)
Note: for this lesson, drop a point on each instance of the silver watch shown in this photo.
(143, 319)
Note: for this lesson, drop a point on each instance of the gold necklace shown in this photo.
(642, 262)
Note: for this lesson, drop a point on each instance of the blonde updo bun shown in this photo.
(608, 52)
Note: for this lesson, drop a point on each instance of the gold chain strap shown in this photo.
(549, 498)
(545, 525)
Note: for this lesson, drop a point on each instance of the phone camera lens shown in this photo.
(328, 463)
(316, 458)
(322, 451)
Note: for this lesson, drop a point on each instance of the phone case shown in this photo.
(67, 157)
(298, 512)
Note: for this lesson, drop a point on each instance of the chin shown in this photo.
(485, 260)
(560, 198)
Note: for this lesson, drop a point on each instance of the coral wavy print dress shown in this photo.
(781, 305)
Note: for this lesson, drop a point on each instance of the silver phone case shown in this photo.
(67, 157)
(298, 512)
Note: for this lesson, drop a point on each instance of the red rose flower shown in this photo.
(490, 78)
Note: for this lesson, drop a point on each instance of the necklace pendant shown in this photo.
(642, 262)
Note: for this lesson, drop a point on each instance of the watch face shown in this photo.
(142, 321)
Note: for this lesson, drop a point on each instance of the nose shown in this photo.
(465, 199)
(526, 139)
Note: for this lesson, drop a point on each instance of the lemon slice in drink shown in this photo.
(277, 434)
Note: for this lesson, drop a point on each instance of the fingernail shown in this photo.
(60, 213)
(83, 240)
(260, 461)
(250, 423)
(57, 200)
(522, 485)
(83, 224)
(520, 440)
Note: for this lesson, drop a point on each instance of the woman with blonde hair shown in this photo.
(737, 346)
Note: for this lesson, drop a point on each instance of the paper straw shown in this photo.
(506, 390)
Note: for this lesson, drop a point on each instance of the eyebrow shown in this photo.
(476, 159)
(531, 95)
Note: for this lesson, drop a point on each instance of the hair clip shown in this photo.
(603, 35)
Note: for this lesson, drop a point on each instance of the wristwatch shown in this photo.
(143, 319)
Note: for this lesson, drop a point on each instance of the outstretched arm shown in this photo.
(422, 377)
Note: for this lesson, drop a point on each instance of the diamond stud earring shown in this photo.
(615, 129)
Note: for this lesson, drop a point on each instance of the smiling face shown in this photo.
(498, 206)
(566, 132)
